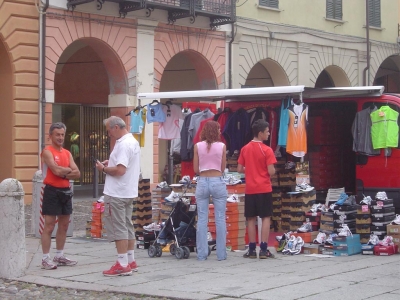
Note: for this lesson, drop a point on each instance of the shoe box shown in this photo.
(364, 237)
(367, 249)
(346, 208)
(382, 210)
(363, 228)
(287, 177)
(382, 218)
(380, 250)
(307, 237)
(143, 245)
(326, 249)
(394, 232)
(346, 245)
(363, 209)
(363, 219)
(382, 203)
(311, 249)
(313, 216)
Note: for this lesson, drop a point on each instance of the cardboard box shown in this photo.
(307, 237)
(363, 209)
(393, 229)
(326, 250)
(311, 249)
(386, 250)
(367, 249)
(236, 189)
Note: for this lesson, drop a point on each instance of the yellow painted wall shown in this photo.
(312, 13)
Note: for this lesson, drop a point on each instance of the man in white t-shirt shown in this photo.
(120, 188)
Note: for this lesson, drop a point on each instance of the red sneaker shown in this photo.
(118, 270)
(133, 266)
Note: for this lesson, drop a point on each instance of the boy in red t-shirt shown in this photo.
(257, 161)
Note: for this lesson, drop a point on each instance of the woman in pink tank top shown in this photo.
(209, 162)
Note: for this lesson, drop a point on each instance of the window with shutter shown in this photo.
(334, 9)
(374, 13)
(269, 3)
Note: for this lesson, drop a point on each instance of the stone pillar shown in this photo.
(303, 75)
(12, 229)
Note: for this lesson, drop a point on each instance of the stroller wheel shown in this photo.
(186, 252)
(152, 251)
(158, 251)
(172, 249)
(179, 253)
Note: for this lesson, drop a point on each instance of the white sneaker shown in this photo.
(366, 200)
(387, 241)
(173, 197)
(345, 231)
(185, 179)
(233, 198)
(381, 196)
(162, 184)
(373, 240)
(396, 220)
(153, 226)
(315, 207)
(306, 227)
(320, 239)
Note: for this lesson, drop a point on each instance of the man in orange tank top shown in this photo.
(58, 168)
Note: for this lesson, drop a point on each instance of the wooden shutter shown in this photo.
(374, 13)
(269, 3)
(334, 9)
(329, 9)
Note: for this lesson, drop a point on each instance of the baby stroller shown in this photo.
(179, 227)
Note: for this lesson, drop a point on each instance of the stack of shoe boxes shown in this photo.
(276, 206)
(279, 167)
(235, 225)
(363, 223)
(287, 177)
(232, 163)
(160, 211)
(285, 211)
(346, 245)
(142, 215)
(394, 232)
(382, 214)
(300, 203)
(331, 222)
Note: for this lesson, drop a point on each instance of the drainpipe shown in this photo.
(42, 87)
(230, 55)
(365, 78)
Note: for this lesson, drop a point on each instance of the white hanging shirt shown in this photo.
(170, 129)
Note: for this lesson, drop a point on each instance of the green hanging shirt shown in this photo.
(384, 130)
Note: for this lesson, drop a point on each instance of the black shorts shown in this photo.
(258, 205)
(54, 203)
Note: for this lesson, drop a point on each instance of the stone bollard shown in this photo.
(37, 200)
(12, 229)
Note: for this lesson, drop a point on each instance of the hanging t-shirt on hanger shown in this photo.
(155, 113)
(169, 129)
(137, 123)
(384, 130)
(361, 131)
(141, 137)
(195, 124)
(176, 143)
(284, 122)
(297, 135)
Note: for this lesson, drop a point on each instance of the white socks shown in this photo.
(123, 259)
(59, 253)
(131, 256)
(45, 256)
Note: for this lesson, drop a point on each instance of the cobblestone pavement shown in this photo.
(12, 289)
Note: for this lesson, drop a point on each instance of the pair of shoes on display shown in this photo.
(351, 200)
(231, 180)
(342, 198)
(290, 165)
(306, 227)
(173, 197)
(329, 239)
(366, 200)
(185, 180)
(282, 241)
(233, 198)
(48, 264)
(152, 227)
(304, 187)
(373, 240)
(118, 270)
(381, 196)
(387, 241)
(345, 231)
(235, 154)
(317, 208)
(396, 220)
(163, 185)
(293, 246)
(320, 239)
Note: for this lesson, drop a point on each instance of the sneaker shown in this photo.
(341, 219)
(47, 264)
(163, 185)
(118, 270)
(133, 266)
(344, 231)
(283, 241)
(64, 261)
(323, 208)
(329, 239)
(289, 245)
(342, 198)
(185, 179)
(250, 254)
(396, 220)
(373, 240)
(320, 239)
(315, 208)
(381, 196)
(290, 165)
(306, 227)
(173, 197)
(387, 241)
(303, 187)
(351, 200)
(332, 207)
(366, 200)
(235, 154)
(233, 198)
(265, 254)
(153, 226)
(296, 248)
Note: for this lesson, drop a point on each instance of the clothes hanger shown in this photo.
(155, 101)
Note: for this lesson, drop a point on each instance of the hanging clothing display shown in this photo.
(222, 118)
(176, 143)
(186, 154)
(155, 113)
(296, 144)
(254, 114)
(137, 123)
(273, 136)
(141, 137)
(236, 130)
(385, 129)
(195, 124)
(361, 131)
(169, 129)
(197, 136)
(284, 122)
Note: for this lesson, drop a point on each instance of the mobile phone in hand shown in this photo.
(95, 160)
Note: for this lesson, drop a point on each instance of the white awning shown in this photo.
(265, 93)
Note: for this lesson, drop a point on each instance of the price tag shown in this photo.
(379, 203)
(364, 208)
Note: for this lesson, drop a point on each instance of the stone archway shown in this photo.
(265, 73)
(6, 108)
(388, 74)
(332, 76)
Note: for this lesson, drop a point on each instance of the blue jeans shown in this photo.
(216, 187)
